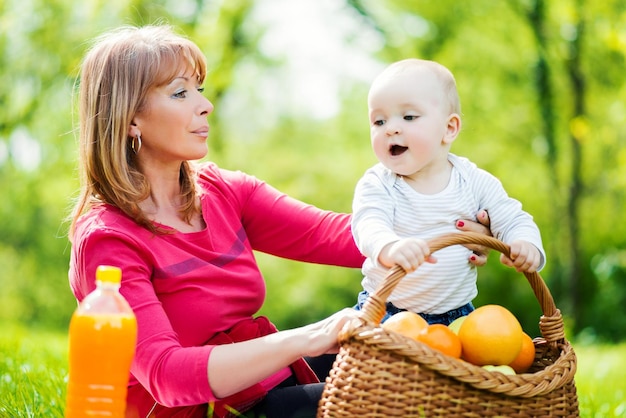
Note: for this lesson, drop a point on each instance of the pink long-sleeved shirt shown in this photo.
(186, 287)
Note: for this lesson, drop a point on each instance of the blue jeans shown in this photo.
(445, 318)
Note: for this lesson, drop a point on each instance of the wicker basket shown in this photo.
(378, 373)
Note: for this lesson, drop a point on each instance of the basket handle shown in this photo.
(550, 324)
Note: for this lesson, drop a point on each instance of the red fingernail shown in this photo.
(473, 258)
(460, 224)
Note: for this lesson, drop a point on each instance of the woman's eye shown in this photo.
(200, 89)
(180, 94)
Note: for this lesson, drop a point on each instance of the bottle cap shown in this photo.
(109, 274)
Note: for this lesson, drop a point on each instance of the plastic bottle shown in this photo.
(102, 338)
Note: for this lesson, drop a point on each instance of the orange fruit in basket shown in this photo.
(406, 323)
(442, 338)
(491, 334)
(526, 356)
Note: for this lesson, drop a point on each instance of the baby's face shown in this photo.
(409, 117)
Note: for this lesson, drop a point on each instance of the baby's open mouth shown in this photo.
(397, 149)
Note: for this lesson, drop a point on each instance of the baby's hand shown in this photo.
(408, 253)
(525, 257)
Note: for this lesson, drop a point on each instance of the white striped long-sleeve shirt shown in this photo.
(386, 209)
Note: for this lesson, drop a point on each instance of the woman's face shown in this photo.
(173, 123)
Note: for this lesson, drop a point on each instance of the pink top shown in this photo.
(186, 287)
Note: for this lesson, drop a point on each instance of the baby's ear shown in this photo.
(453, 128)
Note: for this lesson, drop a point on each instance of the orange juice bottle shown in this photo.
(102, 338)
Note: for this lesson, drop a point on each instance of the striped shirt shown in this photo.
(386, 209)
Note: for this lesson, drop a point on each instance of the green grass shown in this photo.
(33, 370)
(33, 375)
(600, 383)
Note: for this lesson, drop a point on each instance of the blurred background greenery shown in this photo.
(543, 92)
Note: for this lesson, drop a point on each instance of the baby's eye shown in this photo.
(379, 122)
(410, 117)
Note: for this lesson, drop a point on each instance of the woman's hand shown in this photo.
(480, 252)
(322, 335)
(234, 367)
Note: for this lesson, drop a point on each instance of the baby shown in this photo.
(419, 190)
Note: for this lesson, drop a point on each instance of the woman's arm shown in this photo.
(280, 225)
(234, 367)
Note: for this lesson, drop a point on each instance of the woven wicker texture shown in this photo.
(378, 373)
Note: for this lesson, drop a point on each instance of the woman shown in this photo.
(184, 234)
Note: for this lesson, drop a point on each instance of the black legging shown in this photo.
(295, 401)
(321, 365)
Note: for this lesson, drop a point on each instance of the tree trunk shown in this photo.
(565, 255)
(577, 81)
(544, 87)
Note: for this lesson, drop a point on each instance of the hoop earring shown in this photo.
(136, 148)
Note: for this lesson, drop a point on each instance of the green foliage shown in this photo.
(494, 51)
(610, 268)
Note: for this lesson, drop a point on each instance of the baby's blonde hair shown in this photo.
(443, 74)
(115, 77)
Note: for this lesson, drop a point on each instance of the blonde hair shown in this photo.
(115, 77)
(443, 74)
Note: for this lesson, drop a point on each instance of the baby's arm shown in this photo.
(409, 253)
(524, 257)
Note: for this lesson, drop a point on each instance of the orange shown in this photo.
(526, 356)
(442, 338)
(491, 334)
(406, 323)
